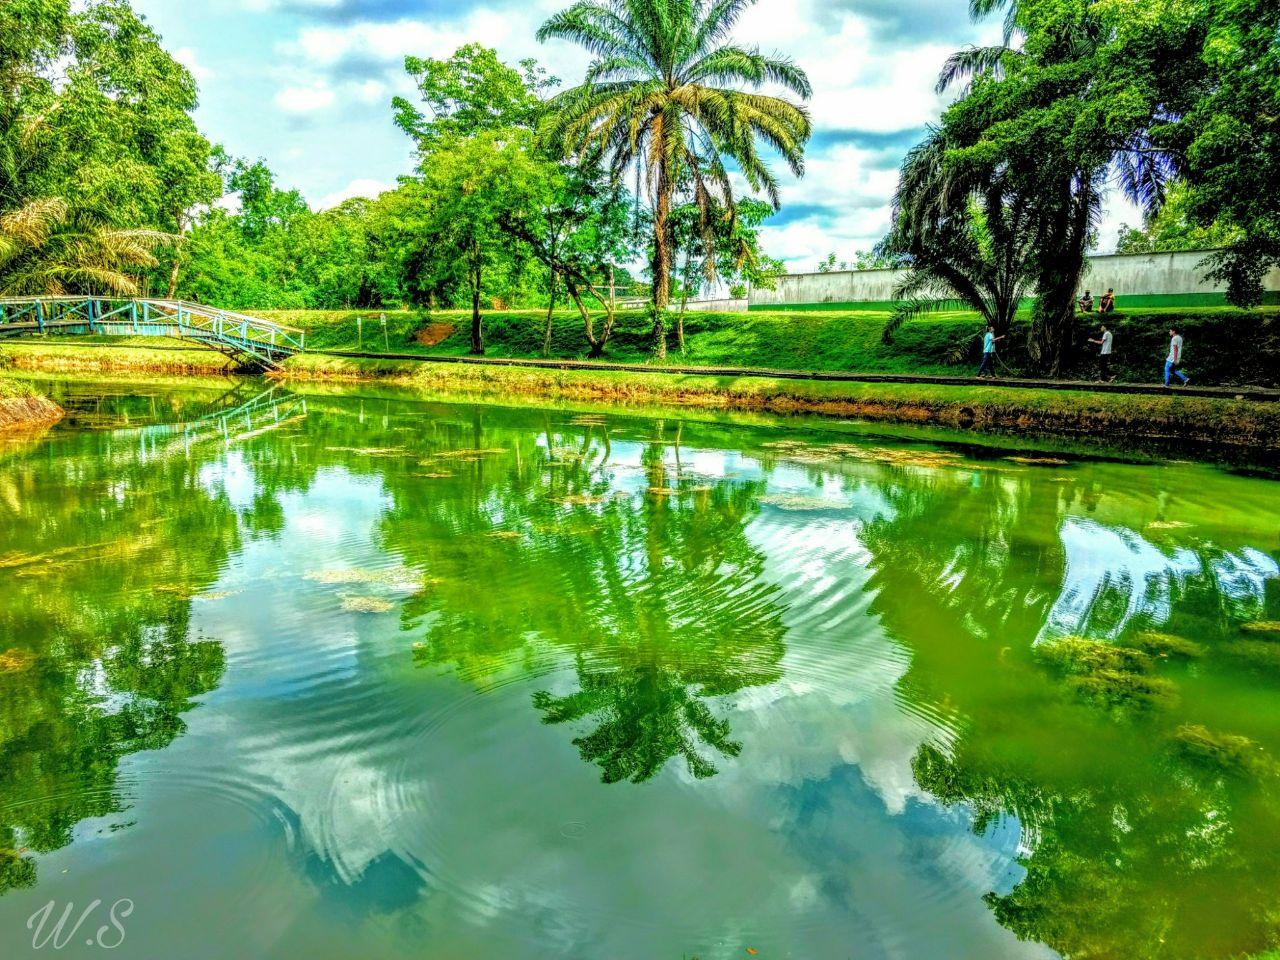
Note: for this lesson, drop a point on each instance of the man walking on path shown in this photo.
(1104, 354)
(988, 364)
(1174, 360)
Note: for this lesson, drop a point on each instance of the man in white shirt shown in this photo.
(1104, 354)
(1174, 360)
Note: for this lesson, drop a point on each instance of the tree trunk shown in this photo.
(177, 261)
(551, 306)
(1054, 316)
(684, 298)
(477, 331)
(662, 243)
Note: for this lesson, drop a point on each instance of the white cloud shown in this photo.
(304, 99)
(187, 57)
(356, 188)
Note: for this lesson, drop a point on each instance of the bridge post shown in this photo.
(40, 316)
(133, 313)
(92, 312)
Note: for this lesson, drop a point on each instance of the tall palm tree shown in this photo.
(669, 94)
(43, 250)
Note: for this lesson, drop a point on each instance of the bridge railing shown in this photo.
(229, 323)
(224, 325)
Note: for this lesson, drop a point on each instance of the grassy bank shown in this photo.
(1050, 412)
(1224, 345)
(22, 406)
(111, 354)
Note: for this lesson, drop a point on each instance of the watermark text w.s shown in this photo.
(51, 929)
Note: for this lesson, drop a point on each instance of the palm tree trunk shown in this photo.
(662, 243)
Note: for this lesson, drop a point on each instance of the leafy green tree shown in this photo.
(581, 233)
(95, 126)
(468, 93)
(1227, 142)
(1173, 228)
(664, 94)
(720, 246)
(472, 186)
(1089, 93)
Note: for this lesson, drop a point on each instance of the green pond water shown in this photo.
(358, 676)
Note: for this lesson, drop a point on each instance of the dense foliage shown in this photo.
(1085, 94)
(100, 161)
(521, 196)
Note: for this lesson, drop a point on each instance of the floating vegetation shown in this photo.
(1165, 645)
(399, 578)
(14, 660)
(1108, 675)
(371, 451)
(1167, 525)
(355, 604)
(466, 454)
(580, 500)
(214, 595)
(565, 453)
(662, 492)
(801, 452)
(1224, 752)
(504, 534)
(801, 501)
(1263, 627)
(1256, 653)
(1039, 461)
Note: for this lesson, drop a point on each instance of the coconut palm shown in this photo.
(670, 95)
(44, 250)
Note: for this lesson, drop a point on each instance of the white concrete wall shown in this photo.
(726, 305)
(1131, 274)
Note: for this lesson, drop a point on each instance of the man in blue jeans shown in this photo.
(988, 365)
(1174, 360)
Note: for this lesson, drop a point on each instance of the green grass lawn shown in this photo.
(14, 389)
(1224, 345)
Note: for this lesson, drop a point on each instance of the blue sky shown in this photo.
(306, 85)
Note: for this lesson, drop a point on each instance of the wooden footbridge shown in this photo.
(251, 341)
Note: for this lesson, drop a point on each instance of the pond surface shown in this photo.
(344, 676)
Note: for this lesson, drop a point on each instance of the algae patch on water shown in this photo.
(802, 503)
(14, 660)
(361, 604)
(1159, 644)
(1224, 752)
(1107, 675)
(398, 578)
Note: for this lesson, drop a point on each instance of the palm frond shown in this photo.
(965, 66)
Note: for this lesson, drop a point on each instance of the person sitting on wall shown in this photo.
(1108, 302)
(1086, 302)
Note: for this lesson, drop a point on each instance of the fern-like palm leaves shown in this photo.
(44, 251)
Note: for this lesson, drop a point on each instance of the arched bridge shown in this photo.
(252, 341)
